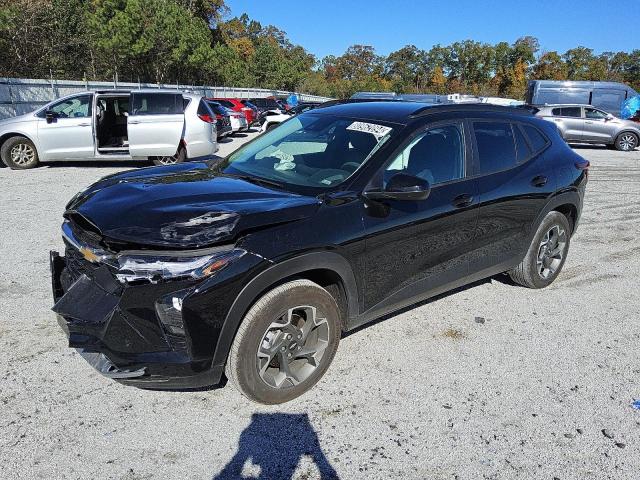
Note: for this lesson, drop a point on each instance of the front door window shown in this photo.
(436, 156)
(75, 107)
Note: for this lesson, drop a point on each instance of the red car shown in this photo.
(237, 106)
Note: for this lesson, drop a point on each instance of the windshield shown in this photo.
(317, 151)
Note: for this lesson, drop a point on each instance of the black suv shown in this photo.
(255, 265)
(265, 105)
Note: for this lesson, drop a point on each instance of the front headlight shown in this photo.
(154, 267)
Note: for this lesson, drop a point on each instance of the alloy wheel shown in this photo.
(168, 160)
(628, 142)
(22, 154)
(551, 251)
(292, 347)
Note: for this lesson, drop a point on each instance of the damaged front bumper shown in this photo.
(134, 334)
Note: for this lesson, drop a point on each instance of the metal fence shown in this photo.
(20, 95)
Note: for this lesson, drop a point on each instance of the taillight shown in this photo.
(218, 116)
(206, 118)
(583, 164)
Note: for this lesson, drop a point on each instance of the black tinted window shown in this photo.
(157, 104)
(496, 149)
(522, 149)
(203, 108)
(226, 103)
(217, 108)
(537, 140)
(567, 112)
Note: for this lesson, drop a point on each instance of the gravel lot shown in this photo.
(493, 381)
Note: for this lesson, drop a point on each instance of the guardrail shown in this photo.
(20, 95)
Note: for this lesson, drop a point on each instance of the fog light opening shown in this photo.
(169, 312)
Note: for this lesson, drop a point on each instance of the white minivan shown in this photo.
(164, 126)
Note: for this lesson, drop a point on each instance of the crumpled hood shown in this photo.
(183, 206)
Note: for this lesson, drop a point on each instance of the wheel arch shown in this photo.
(6, 136)
(567, 202)
(570, 211)
(626, 130)
(329, 269)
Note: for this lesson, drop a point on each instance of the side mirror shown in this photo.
(609, 117)
(401, 186)
(50, 116)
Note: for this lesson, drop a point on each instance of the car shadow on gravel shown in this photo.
(272, 447)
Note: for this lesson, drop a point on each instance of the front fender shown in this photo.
(271, 276)
(7, 133)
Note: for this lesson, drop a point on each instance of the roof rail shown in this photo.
(474, 107)
(331, 103)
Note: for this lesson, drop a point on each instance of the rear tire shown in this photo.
(546, 254)
(178, 157)
(285, 343)
(626, 141)
(19, 153)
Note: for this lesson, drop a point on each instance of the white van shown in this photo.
(165, 126)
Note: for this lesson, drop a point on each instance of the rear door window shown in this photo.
(157, 103)
(496, 146)
(536, 138)
(567, 112)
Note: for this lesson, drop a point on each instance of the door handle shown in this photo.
(84, 124)
(588, 121)
(462, 201)
(539, 181)
(133, 122)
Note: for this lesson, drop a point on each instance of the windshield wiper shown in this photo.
(257, 180)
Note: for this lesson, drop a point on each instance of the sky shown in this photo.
(329, 27)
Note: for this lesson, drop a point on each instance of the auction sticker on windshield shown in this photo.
(373, 128)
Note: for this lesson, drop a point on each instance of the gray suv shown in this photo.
(164, 126)
(587, 124)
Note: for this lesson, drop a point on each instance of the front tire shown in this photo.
(546, 254)
(626, 141)
(285, 343)
(19, 153)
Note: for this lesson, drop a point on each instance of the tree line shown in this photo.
(199, 42)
